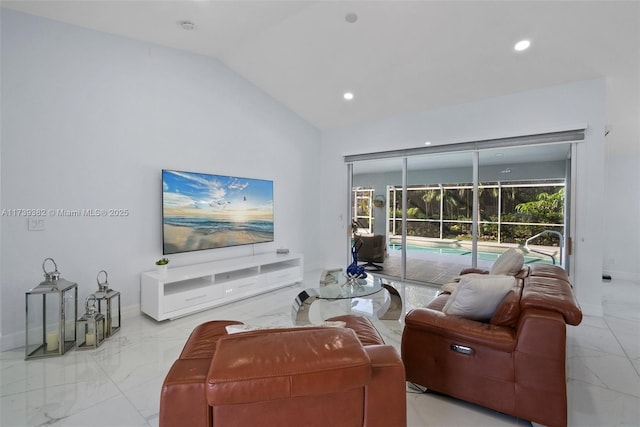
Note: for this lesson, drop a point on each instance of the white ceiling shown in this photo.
(399, 57)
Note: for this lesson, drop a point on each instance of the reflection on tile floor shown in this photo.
(119, 383)
(427, 267)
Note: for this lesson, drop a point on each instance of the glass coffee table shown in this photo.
(370, 296)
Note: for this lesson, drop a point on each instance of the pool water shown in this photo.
(483, 255)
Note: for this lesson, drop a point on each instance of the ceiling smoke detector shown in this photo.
(187, 25)
(351, 17)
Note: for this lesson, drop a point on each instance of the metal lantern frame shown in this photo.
(108, 305)
(50, 335)
(90, 328)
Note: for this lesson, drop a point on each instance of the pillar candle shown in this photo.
(52, 341)
(90, 339)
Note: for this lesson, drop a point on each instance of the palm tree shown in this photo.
(547, 208)
(428, 197)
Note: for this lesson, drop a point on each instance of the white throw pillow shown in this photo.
(509, 262)
(477, 296)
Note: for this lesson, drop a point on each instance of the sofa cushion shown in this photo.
(508, 311)
(510, 262)
(264, 365)
(550, 293)
(544, 270)
(478, 295)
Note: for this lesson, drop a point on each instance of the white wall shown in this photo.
(570, 106)
(622, 180)
(89, 120)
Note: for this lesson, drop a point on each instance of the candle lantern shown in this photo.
(90, 327)
(51, 310)
(108, 305)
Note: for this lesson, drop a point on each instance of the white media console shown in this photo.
(187, 289)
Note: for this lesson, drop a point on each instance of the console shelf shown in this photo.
(187, 289)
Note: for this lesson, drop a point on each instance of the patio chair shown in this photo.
(373, 250)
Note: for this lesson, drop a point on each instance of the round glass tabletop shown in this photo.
(350, 289)
(336, 296)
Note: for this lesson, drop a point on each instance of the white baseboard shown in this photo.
(129, 311)
(11, 341)
(592, 310)
(622, 275)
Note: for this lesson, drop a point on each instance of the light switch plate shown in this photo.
(36, 224)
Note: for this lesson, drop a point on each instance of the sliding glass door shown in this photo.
(442, 212)
(439, 215)
(370, 208)
(530, 188)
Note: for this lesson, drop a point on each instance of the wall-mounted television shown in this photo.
(203, 211)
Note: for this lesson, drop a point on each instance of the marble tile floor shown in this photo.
(118, 384)
(428, 267)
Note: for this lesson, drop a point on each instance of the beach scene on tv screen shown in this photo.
(204, 211)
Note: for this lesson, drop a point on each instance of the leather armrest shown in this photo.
(252, 367)
(386, 397)
(182, 399)
(464, 331)
(552, 294)
(364, 329)
(204, 338)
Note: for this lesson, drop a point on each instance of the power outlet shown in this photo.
(36, 224)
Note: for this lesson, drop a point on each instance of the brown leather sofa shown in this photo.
(514, 363)
(310, 376)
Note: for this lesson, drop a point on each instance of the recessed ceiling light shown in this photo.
(499, 154)
(427, 143)
(351, 17)
(348, 96)
(522, 45)
(187, 25)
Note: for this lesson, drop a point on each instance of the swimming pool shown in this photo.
(484, 253)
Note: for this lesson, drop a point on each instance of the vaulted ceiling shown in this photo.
(396, 57)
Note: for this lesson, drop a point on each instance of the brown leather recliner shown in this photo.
(514, 363)
(285, 377)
